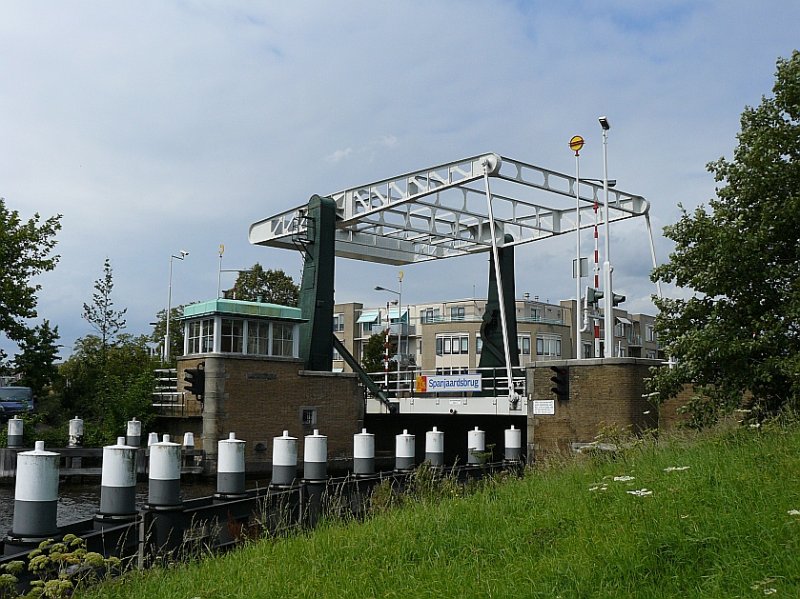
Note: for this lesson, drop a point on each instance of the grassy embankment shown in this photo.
(714, 516)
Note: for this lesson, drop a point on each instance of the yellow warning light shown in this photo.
(576, 143)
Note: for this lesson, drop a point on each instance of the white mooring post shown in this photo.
(284, 460)
(15, 430)
(230, 467)
(513, 444)
(36, 494)
(165, 474)
(476, 445)
(405, 451)
(133, 436)
(363, 453)
(118, 481)
(434, 447)
(315, 457)
(75, 432)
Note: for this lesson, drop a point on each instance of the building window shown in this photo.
(619, 329)
(457, 313)
(452, 344)
(232, 337)
(257, 337)
(478, 344)
(650, 333)
(548, 345)
(536, 313)
(308, 416)
(193, 337)
(338, 323)
(282, 339)
(201, 336)
(429, 315)
(524, 345)
(587, 350)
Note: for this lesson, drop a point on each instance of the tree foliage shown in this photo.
(739, 333)
(107, 386)
(175, 330)
(25, 251)
(374, 350)
(271, 286)
(36, 361)
(101, 314)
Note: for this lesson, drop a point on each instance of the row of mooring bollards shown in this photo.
(36, 492)
(363, 449)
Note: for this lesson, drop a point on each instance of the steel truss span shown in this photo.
(441, 212)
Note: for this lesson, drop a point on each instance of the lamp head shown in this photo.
(604, 123)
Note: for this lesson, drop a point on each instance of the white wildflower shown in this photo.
(756, 425)
(601, 487)
(623, 479)
(646, 412)
(675, 468)
(794, 512)
(770, 591)
(640, 492)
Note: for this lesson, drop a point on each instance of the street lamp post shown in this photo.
(399, 295)
(166, 357)
(608, 294)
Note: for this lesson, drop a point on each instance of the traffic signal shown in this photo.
(593, 296)
(195, 381)
(560, 380)
(617, 299)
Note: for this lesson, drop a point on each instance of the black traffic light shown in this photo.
(617, 299)
(593, 296)
(560, 380)
(196, 380)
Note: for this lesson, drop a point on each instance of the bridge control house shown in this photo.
(255, 383)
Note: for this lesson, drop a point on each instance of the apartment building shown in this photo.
(444, 337)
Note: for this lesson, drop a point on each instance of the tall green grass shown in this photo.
(718, 523)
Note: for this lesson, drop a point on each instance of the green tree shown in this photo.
(36, 361)
(175, 330)
(25, 251)
(740, 330)
(271, 286)
(107, 386)
(101, 314)
(372, 360)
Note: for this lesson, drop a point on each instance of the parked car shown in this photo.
(15, 400)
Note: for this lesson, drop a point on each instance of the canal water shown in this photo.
(81, 501)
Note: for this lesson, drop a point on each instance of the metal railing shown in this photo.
(494, 382)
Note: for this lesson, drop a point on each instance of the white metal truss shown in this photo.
(441, 212)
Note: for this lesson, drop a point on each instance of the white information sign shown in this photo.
(544, 407)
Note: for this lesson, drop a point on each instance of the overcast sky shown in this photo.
(156, 126)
